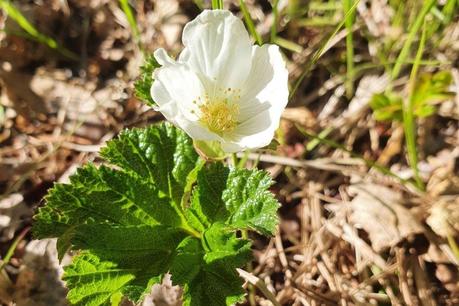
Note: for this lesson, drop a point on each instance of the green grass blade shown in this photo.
(427, 6)
(409, 124)
(30, 29)
(199, 4)
(349, 23)
(316, 141)
(318, 54)
(287, 44)
(131, 20)
(370, 163)
(249, 22)
(449, 10)
(217, 4)
(275, 20)
(445, 16)
(9, 254)
(453, 245)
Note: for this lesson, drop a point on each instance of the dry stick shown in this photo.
(284, 262)
(423, 285)
(368, 162)
(318, 296)
(260, 284)
(402, 276)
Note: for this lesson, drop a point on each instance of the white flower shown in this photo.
(222, 88)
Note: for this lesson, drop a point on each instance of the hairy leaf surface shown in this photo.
(154, 208)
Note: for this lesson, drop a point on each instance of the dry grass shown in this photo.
(354, 228)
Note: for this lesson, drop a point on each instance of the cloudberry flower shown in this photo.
(222, 88)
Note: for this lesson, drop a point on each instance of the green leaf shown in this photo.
(142, 247)
(216, 284)
(206, 268)
(104, 196)
(429, 91)
(94, 282)
(387, 107)
(162, 154)
(156, 207)
(222, 244)
(143, 84)
(238, 197)
(207, 205)
(250, 203)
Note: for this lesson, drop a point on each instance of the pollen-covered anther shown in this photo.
(219, 116)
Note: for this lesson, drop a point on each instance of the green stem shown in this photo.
(409, 124)
(13, 247)
(427, 6)
(349, 22)
(243, 160)
(217, 4)
(318, 54)
(234, 160)
(453, 245)
(132, 22)
(30, 29)
(191, 231)
(368, 162)
(249, 22)
(275, 21)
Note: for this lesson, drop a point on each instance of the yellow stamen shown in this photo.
(220, 116)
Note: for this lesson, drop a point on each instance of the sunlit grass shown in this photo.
(409, 123)
(249, 23)
(217, 4)
(319, 52)
(13, 12)
(349, 23)
(132, 22)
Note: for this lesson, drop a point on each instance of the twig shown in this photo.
(260, 284)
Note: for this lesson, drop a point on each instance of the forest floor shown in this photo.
(370, 206)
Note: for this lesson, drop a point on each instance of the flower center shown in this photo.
(219, 116)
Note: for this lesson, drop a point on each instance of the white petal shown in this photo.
(267, 87)
(176, 84)
(250, 109)
(174, 89)
(268, 75)
(162, 57)
(256, 132)
(218, 46)
(231, 147)
(195, 130)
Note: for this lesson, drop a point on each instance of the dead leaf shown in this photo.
(380, 212)
(300, 115)
(444, 216)
(164, 294)
(20, 95)
(368, 86)
(443, 178)
(38, 282)
(13, 210)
